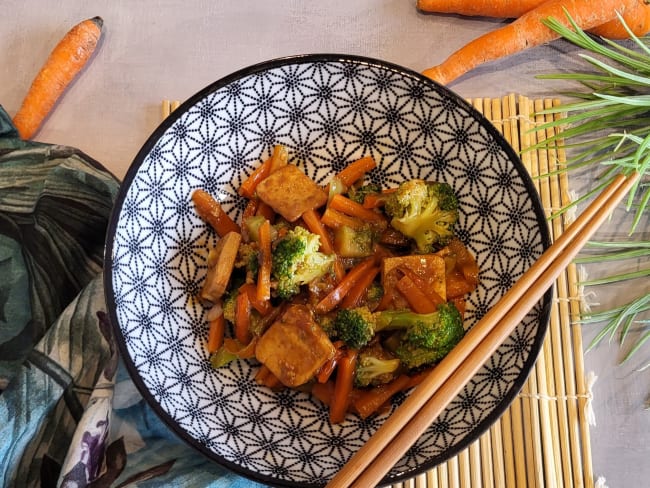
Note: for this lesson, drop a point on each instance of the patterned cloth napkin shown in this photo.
(69, 414)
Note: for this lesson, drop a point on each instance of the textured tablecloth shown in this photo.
(69, 413)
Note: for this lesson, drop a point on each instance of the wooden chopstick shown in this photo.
(372, 461)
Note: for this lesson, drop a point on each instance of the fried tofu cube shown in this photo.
(429, 267)
(294, 347)
(221, 261)
(290, 192)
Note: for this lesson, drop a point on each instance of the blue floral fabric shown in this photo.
(69, 414)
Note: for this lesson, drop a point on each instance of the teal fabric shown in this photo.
(69, 413)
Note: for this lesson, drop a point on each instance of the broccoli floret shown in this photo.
(437, 332)
(374, 367)
(356, 326)
(359, 194)
(296, 261)
(423, 344)
(425, 211)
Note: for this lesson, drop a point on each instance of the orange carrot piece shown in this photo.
(501, 9)
(323, 391)
(216, 333)
(247, 188)
(262, 306)
(334, 297)
(315, 226)
(525, 32)
(313, 222)
(417, 300)
(359, 289)
(457, 285)
(328, 368)
(210, 210)
(242, 317)
(343, 386)
(367, 402)
(356, 170)
(264, 271)
(354, 209)
(423, 285)
(335, 219)
(62, 66)
(637, 19)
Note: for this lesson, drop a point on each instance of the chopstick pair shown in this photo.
(400, 431)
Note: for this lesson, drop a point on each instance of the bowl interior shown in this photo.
(328, 110)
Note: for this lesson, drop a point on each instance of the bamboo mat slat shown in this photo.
(543, 437)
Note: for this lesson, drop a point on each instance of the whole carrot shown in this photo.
(525, 32)
(61, 67)
(637, 19)
(483, 8)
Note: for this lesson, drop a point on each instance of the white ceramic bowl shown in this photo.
(327, 110)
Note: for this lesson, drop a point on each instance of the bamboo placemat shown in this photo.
(542, 440)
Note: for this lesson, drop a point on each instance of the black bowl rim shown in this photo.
(310, 59)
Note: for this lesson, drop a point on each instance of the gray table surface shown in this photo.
(169, 49)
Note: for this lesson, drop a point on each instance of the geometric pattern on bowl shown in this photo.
(327, 110)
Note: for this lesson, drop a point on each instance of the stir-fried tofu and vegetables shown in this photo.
(349, 291)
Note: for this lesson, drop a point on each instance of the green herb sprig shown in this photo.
(608, 127)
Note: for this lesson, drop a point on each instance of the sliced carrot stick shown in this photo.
(315, 226)
(343, 386)
(62, 66)
(426, 287)
(367, 402)
(359, 289)
(417, 300)
(242, 317)
(264, 271)
(216, 333)
(279, 158)
(313, 222)
(356, 170)
(334, 297)
(457, 285)
(210, 210)
(335, 219)
(247, 188)
(525, 32)
(354, 209)
(323, 391)
(264, 307)
(328, 368)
